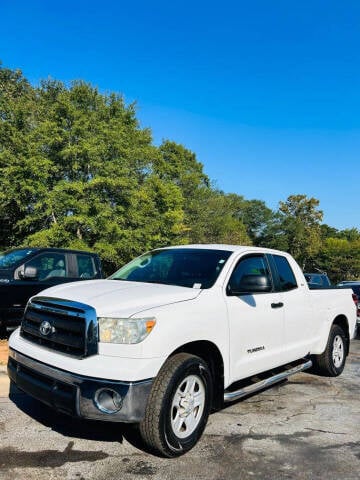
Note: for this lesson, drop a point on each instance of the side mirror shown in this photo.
(29, 273)
(251, 284)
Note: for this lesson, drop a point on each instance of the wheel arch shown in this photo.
(211, 354)
(343, 323)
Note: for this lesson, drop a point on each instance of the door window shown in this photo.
(48, 266)
(249, 267)
(86, 266)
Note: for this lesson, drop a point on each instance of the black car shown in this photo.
(24, 272)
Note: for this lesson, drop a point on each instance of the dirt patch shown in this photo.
(4, 352)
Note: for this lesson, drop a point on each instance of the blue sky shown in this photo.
(266, 93)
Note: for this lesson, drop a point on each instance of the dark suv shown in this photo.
(26, 271)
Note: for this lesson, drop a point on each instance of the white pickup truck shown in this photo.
(176, 333)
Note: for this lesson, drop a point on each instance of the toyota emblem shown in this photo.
(46, 328)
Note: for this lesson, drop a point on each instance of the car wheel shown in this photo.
(178, 406)
(332, 361)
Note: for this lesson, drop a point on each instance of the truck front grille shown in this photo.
(61, 325)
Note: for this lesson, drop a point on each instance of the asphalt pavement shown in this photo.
(4, 382)
(305, 428)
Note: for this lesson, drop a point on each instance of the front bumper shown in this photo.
(75, 394)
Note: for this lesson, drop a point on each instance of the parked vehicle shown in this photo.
(24, 272)
(177, 333)
(317, 280)
(355, 286)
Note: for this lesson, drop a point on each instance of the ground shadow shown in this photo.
(74, 427)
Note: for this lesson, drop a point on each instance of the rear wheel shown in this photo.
(178, 406)
(332, 361)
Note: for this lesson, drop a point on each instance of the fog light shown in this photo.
(108, 400)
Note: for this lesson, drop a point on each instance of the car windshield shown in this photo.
(185, 267)
(12, 257)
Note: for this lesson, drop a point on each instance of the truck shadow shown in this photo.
(13, 458)
(73, 427)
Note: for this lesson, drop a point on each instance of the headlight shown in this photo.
(125, 330)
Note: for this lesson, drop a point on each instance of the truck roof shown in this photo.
(51, 249)
(230, 248)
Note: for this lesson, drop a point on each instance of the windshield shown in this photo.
(185, 267)
(12, 257)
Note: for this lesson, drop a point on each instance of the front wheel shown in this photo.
(332, 361)
(178, 406)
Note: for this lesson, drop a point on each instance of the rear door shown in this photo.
(83, 266)
(300, 323)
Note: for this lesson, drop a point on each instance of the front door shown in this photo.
(51, 268)
(256, 321)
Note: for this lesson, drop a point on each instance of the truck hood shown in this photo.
(120, 298)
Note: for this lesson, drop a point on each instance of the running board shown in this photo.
(267, 382)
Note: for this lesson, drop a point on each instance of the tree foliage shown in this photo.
(300, 220)
(340, 258)
(77, 170)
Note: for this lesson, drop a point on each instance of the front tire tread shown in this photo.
(153, 427)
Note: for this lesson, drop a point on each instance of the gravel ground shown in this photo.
(306, 428)
(3, 352)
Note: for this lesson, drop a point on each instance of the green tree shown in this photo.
(78, 171)
(340, 258)
(296, 228)
(328, 232)
(209, 215)
(351, 234)
(212, 219)
(254, 214)
(21, 180)
(300, 220)
(179, 165)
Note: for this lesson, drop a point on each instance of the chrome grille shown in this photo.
(61, 325)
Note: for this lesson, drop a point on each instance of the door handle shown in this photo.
(277, 305)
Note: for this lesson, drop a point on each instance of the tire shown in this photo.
(332, 361)
(178, 406)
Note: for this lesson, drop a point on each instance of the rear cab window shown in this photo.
(285, 275)
(85, 266)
